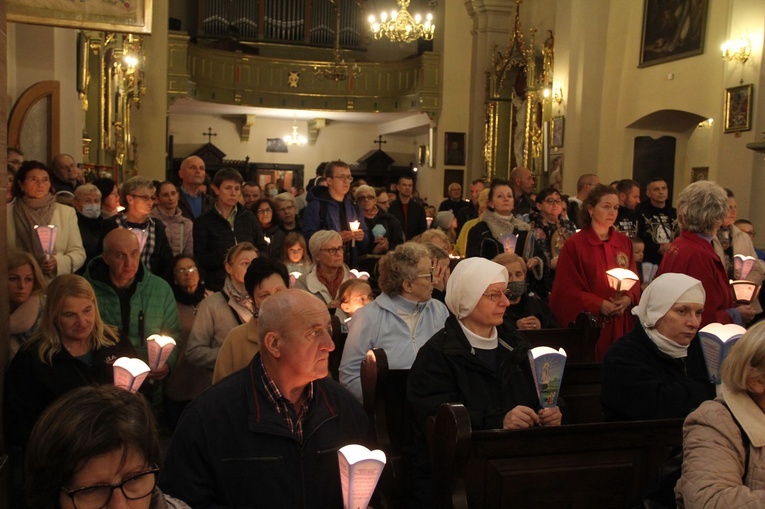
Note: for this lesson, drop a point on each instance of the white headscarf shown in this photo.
(658, 299)
(469, 281)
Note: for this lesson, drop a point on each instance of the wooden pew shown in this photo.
(578, 466)
(580, 390)
(578, 340)
(391, 417)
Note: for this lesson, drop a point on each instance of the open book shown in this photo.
(742, 265)
(359, 274)
(160, 348)
(547, 367)
(360, 470)
(716, 341)
(129, 373)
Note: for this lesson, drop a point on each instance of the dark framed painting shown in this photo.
(452, 176)
(454, 149)
(556, 132)
(275, 145)
(738, 109)
(699, 173)
(672, 30)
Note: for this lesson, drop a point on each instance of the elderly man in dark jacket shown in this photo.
(228, 223)
(268, 435)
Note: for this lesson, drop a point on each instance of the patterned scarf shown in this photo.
(240, 301)
(501, 225)
(149, 228)
(28, 212)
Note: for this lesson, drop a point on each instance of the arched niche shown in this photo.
(34, 125)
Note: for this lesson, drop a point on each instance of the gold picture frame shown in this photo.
(133, 17)
(738, 109)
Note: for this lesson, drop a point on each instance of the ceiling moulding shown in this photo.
(314, 126)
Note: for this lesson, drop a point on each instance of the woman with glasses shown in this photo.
(581, 283)
(550, 233)
(476, 361)
(222, 311)
(400, 320)
(35, 205)
(328, 271)
(265, 210)
(526, 310)
(186, 381)
(96, 447)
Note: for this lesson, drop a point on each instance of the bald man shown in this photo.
(131, 298)
(522, 184)
(193, 201)
(269, 432)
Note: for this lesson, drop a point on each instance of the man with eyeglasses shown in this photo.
(628, 218)
(583, 186)
(522, 184)
(286, 209)
(454, 201)
(66, 176)
(137, 196)
(331, 208)
(268, 435)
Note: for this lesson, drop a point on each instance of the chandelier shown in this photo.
(402, 27)
(295, 138)
(337, 70)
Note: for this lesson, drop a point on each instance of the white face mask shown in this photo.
(273, 192)
(91, 210)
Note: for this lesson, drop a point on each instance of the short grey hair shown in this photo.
(132, 185)
(399, 266)
(319, 239)
(701, 207)
(363, 188)
(86, 189)
(284, 197)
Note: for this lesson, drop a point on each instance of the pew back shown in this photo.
(578, 340)
(576, 466)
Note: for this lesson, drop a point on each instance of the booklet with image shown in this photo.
(547, 366)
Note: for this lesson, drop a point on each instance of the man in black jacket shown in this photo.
(409, 213)
(228, 223)
(268, 434)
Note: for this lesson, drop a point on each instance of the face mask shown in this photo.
(91, 210)
(273, 192)
(516, 289)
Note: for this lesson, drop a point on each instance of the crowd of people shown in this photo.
(249, 280)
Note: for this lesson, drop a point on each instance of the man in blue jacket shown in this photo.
(330, 208)
(267, 435)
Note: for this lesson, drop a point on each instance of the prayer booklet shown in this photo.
(649, 271)
(160, 348)
(359, 274)
(129, 373)
(716, 341)
(360, 469)
(547, 367)
(742, 264)
(509, 240)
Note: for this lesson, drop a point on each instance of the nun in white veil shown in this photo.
(657, 371)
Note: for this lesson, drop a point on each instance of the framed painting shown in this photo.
(133, 17)
(738, 109)
(699, 173)
(454, 151)
(556, 132)
(276, 145)
(672, 30)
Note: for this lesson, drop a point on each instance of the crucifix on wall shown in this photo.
(209, 134)
(379, 142)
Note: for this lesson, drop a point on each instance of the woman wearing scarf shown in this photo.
(186, 381)
(26, 296)
(475, 361)
(36, 205)
(499, 231)
(222, 311)
(657, 371)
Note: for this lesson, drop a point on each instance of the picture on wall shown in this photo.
(276, 145)
(738, 109)
(700, 173)
(672, 30)
(454, 150)
(556, 132)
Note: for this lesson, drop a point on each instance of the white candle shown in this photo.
(354, 228)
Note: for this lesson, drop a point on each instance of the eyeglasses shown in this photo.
(365, 198)
(362, 299)
(186, 270)
(98, 496)
(147, 198)
(428, 275)
(263, 212)
(315, 334)
(550, 201)
(332, 250)
(496, 296)
(347, 178)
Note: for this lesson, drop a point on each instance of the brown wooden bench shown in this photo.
(577, 466)
(391, 418)
(580, 390)
(578, 340)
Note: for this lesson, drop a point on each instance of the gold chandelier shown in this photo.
(295, 138)
(337, 70)
(402, 27)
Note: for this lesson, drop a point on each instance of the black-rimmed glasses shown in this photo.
(98, 496)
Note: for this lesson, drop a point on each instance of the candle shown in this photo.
(267, 239)
(354, 228)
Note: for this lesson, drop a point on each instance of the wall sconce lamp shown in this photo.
(736, 50)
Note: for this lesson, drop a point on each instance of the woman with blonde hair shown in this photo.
(73, 348)
(26, 295)
(724, 439)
